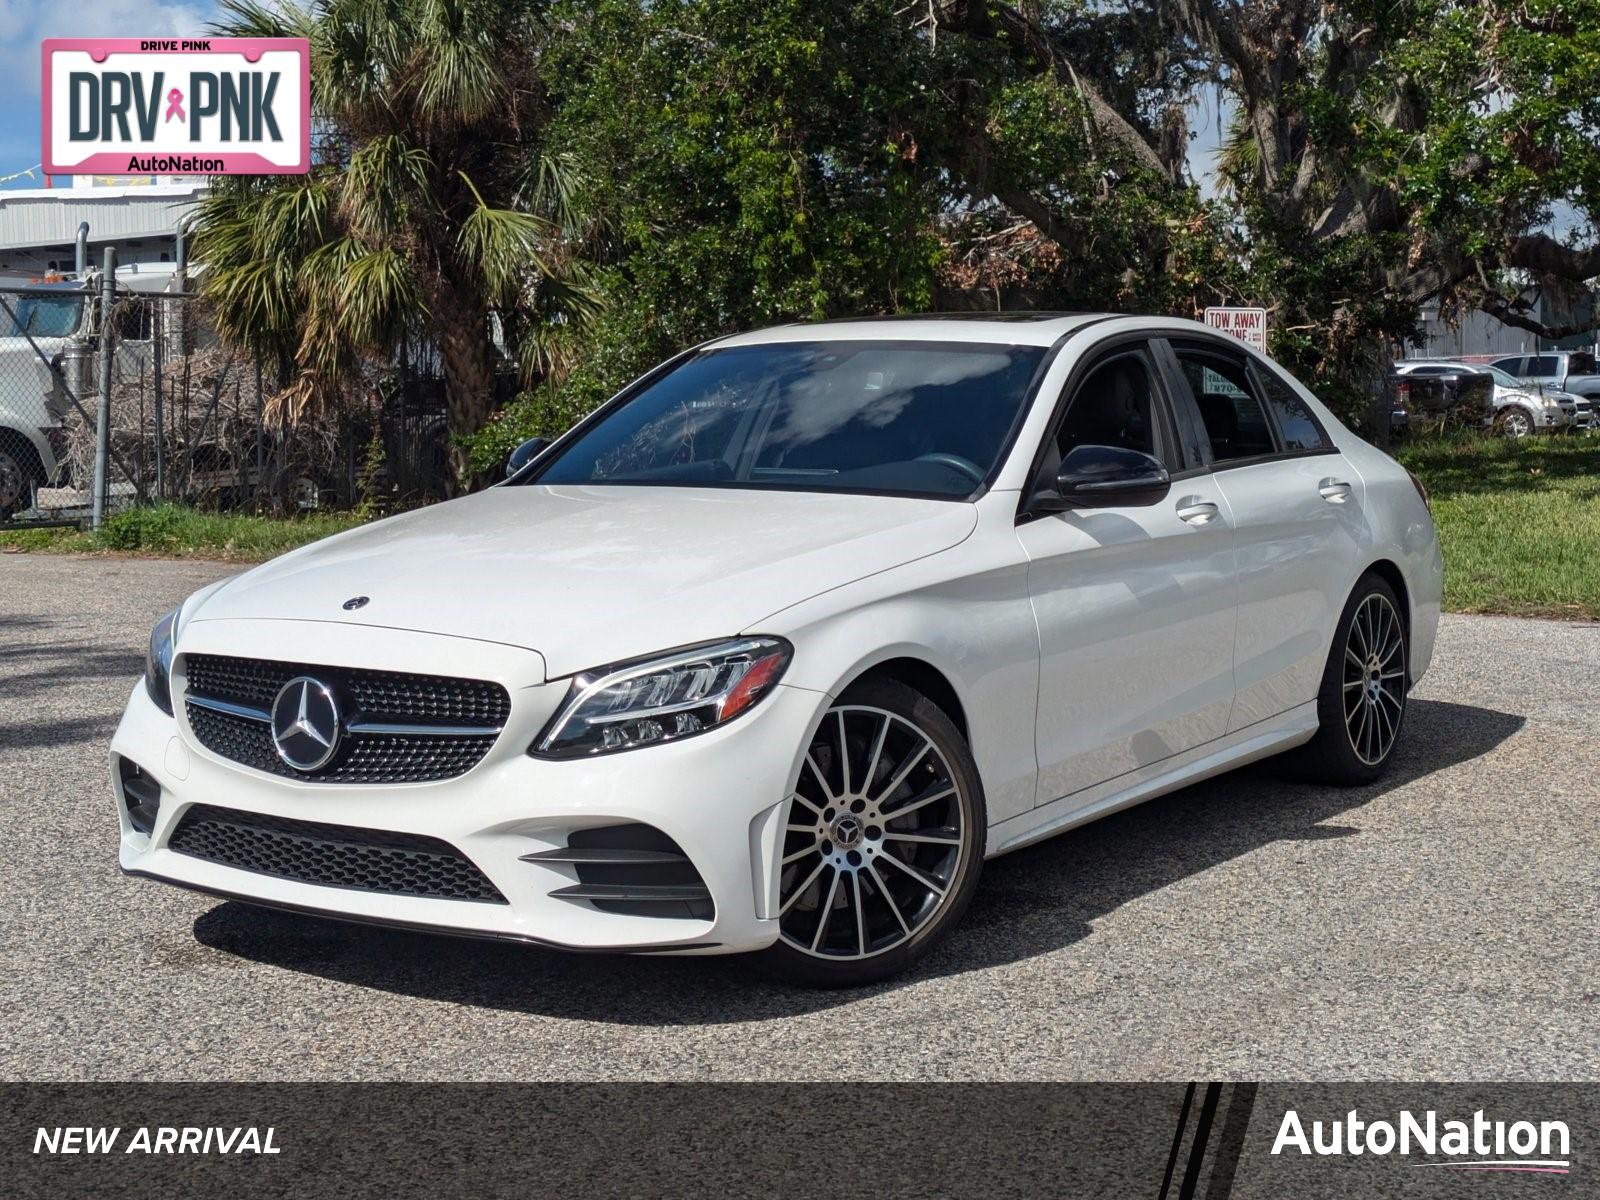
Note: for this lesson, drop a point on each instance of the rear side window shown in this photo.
(1296, 425)
(1233, 417)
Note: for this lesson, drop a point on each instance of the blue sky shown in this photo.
(26, 23)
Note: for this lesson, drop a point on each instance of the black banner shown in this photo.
(1163, 1141)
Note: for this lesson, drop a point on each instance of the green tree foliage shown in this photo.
(756, 164)
(706, 166)
(433, 202)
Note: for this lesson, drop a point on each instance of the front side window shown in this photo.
(918, 418)
(1296, 425)
(1544, 364)
(1233, 417)
(1113, 406)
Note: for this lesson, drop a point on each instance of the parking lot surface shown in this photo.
(1441, 924)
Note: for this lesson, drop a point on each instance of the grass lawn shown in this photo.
(168, 531)
(1520, 523)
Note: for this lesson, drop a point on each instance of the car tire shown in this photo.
(884, 842)
(1361, 702)
(19, 473)
(1515, 423)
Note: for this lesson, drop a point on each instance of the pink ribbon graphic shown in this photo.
(175, 105)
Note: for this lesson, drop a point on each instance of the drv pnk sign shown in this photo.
(170, 106)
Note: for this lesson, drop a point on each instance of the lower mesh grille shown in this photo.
(367, 860)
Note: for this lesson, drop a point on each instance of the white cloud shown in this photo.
(28, 22)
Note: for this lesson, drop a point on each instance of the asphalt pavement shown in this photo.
(1439, 925)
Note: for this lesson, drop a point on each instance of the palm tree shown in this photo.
(430, 202)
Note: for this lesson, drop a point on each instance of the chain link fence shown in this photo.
(190, 420)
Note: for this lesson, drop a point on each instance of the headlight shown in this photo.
(158, 663)
(662, 699)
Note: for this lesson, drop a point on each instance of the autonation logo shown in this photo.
(1476, 1145)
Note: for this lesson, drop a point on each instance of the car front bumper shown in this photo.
(721, 796)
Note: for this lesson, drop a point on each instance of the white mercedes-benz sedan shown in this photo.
(774, 649)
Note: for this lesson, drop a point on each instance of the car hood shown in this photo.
(592, 575)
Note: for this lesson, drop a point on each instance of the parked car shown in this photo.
(1519, 408)
(1451, 392)
(776, 648)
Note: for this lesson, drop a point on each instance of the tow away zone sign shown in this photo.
(170, 106)
(1246, 324)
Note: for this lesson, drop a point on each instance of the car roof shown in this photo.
(1005, 328)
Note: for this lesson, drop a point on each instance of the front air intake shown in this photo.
(632, 869)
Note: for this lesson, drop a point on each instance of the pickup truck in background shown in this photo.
(1564, 371)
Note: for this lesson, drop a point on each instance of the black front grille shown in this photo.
(383, 697)
(366, 860)
(390, 695)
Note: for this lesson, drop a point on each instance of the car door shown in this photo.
(1298, 526)
(1135, 603)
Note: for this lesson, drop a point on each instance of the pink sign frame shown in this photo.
(233, 162)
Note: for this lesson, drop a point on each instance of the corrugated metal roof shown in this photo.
(50, 216)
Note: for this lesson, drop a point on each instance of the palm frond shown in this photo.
(385, 181)
(504, 245)
(250, 18)
(458, 76)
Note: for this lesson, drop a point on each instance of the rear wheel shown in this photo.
(884, 839)
(1361, 704)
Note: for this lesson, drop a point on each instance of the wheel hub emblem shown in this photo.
(305, 723)
(846, 832)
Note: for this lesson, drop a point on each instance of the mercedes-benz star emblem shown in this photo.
(305, 723)
(356, 602)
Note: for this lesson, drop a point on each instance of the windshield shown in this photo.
(917, 418)
(44, 316)
(1504, 378)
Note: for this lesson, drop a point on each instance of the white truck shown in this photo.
(49, 342)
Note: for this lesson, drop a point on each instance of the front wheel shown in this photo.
(18, 474)
(1515, 423)
(1361, 704)
(884, 839)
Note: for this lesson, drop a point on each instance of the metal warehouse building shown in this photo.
(39, 226)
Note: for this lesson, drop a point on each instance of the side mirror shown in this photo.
(525, 454)
(1108, 476)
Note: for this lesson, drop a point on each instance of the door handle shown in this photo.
(1196, 511)
(1334, 491)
